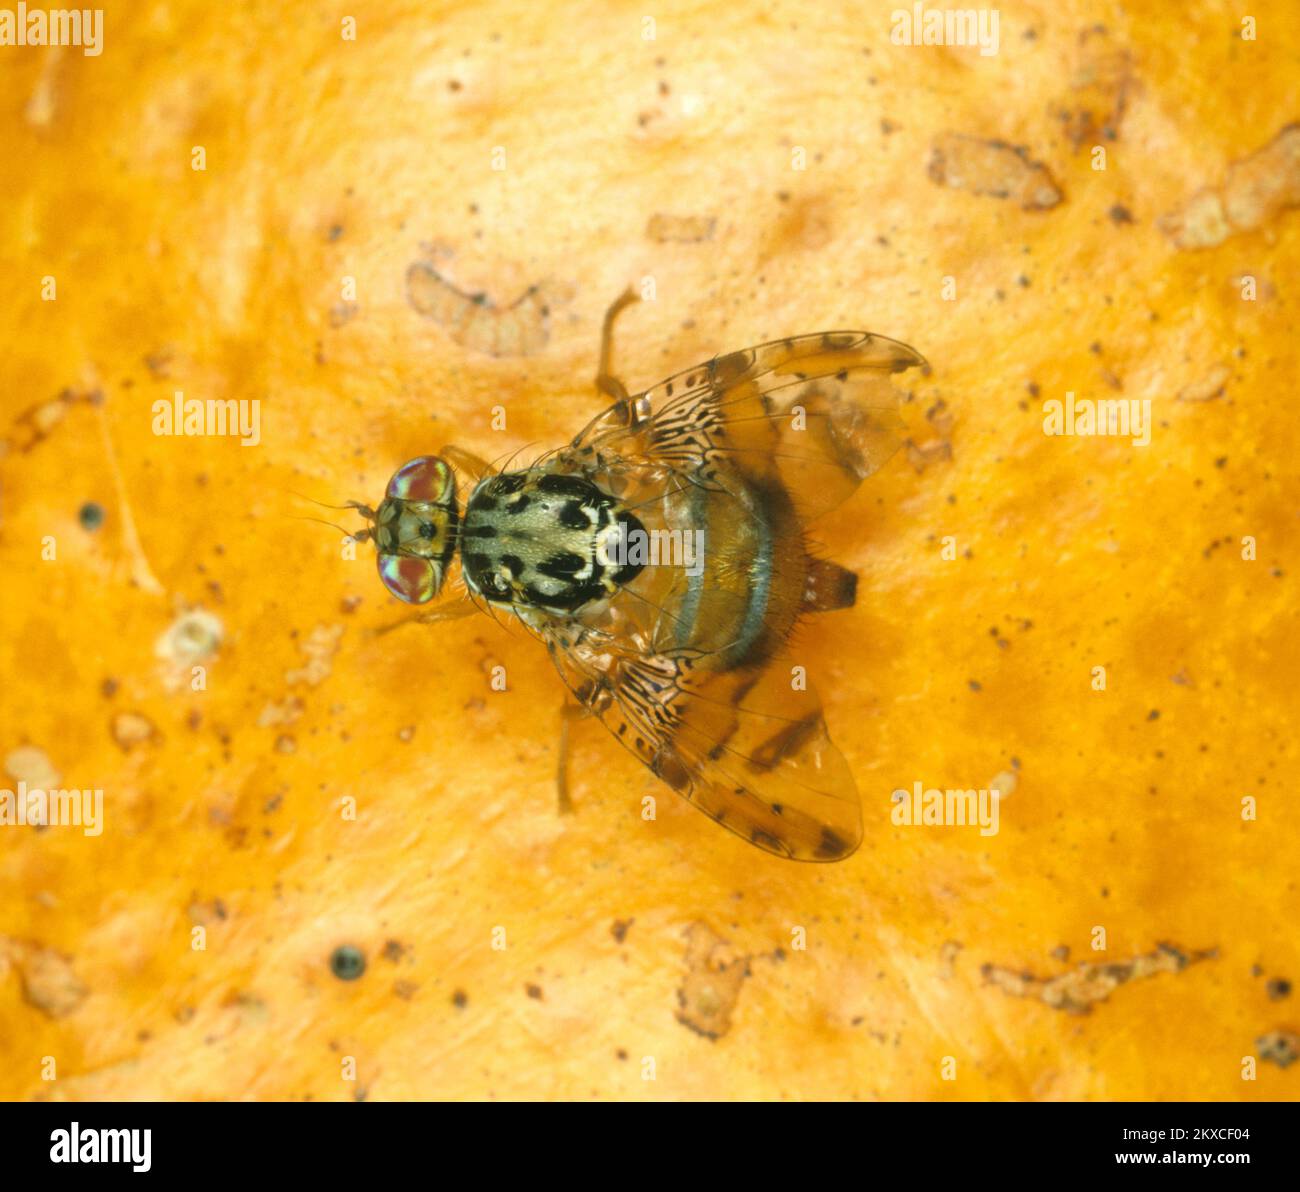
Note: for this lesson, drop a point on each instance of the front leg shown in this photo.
(570, 710)
(453, 610)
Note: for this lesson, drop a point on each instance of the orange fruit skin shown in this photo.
(511, 952)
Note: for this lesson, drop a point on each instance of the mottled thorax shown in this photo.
(542, 539)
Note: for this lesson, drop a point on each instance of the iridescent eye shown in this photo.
(409, 578)
(426, 478)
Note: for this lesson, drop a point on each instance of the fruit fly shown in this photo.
(662, 558)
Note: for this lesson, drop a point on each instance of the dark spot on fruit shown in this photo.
(347, 963)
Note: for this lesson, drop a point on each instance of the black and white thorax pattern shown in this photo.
(545, 540)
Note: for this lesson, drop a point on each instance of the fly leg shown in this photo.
(467, 462)
(606, 382)
(570, 710)
(452, 611)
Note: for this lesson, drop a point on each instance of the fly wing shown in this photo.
(816, 413)
(748, 746)
(733, 732)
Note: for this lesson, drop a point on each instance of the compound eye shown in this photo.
(427, 479)
(409, 578)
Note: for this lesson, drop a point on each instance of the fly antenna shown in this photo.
(364, 510)
(361, 535)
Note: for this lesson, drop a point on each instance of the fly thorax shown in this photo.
(553, 541)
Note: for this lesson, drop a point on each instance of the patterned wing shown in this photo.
(746, 745)
(816, 413)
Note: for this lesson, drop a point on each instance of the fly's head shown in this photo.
(415, 529)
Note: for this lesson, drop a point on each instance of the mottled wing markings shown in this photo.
(741, 745)
(811, 416)
(815, 413)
